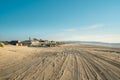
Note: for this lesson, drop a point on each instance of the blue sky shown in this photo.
(84, 20)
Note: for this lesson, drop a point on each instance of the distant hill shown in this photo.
(95, 43)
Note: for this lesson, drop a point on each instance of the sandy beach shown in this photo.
(67, 62)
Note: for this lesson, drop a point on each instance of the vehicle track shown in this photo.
(66, 63)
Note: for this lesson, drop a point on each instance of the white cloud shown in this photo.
(73, 34)
(94, 26)
(111, 38)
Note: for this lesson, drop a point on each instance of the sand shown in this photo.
(67, 62)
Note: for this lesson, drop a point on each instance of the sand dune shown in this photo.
(67, 62)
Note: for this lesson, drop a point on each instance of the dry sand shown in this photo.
(67, 62)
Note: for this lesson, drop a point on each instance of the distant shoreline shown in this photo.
(117, 45)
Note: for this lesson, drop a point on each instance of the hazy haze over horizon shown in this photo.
(61, 20)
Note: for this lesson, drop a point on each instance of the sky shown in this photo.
(60, 20)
